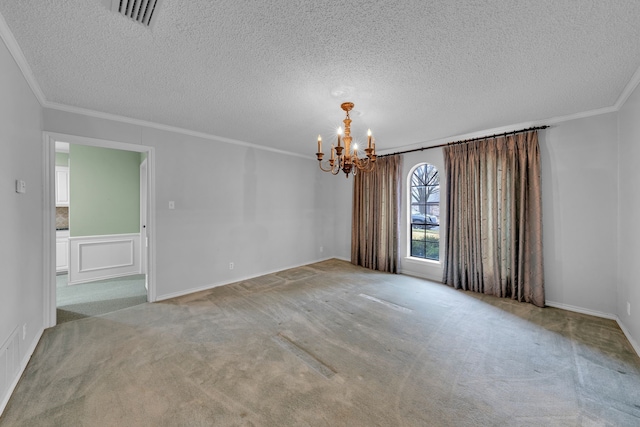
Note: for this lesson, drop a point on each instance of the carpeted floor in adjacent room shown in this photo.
(331, 344)
(95, 298)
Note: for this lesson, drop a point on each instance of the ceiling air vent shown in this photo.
(142, 11)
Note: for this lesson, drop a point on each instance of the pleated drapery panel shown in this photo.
(494, 217)
(375, 218)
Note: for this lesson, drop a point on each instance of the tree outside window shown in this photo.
(425, 212)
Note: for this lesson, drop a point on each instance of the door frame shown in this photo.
(49, 226)
(144, 217)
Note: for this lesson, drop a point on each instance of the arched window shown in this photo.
(424, 222)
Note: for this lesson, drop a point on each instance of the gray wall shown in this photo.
(628, 283)
(258, 209)
(338, 203)
(579, 202)
(21, 245)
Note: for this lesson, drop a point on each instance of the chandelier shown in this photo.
(344, 158)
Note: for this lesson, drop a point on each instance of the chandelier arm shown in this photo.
(326, 162)
(365, 165)
(362, 163)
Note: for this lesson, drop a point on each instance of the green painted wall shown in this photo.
(62, 159)
(104, 187)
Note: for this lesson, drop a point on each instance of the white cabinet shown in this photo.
(62, 250)
(62, 186)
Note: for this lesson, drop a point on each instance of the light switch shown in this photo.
(21, 186)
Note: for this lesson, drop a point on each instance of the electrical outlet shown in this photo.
(230, 266)
(628, 308)
(21, 186)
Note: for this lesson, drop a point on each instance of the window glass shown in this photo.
(424, 222)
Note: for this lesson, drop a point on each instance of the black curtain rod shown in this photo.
(466, 140)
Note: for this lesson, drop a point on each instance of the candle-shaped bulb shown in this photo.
(339, 134)
(369, 138)
(319, 144)
(333, 152)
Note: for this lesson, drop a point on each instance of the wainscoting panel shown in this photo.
(103, 257)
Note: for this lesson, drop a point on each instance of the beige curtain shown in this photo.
(375, 218)
(494, 217)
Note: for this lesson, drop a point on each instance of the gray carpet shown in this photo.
(331, 344)
(95, 298)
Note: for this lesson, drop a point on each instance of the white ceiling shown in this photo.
(274, 73)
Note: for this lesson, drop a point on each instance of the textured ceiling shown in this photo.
(274, 73)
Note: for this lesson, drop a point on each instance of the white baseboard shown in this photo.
(23, 365)
(633, 342)
(625, 331)
(581, 310)
(237, 279)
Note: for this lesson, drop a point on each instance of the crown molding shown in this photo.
(18, 56)
(580, 115)
(503, 129)
(628, 90)
(167, 128)
(21, 61)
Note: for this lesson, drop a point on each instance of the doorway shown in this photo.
(144, 244)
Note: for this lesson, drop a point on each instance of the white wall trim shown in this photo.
(594, 313)
(49, 232)
(239, 279)
(167, 128)
(509, 128)
(628, 90)
(23, 366)
(581, 310)
(18, 55)
(27, 72)
(49, 282)
(96, 142)
(103, 257)
(21, 61)
(626, 332)
(577, 116)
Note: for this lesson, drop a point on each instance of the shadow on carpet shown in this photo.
(76, 302)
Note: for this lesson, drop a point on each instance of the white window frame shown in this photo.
(413, 266)
(409, 213)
